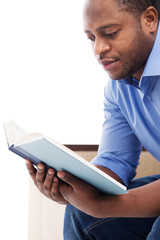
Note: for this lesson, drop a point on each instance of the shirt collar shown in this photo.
(152, 67)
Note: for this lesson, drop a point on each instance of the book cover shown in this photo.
(41, 149)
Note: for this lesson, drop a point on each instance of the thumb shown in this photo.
(68, 178)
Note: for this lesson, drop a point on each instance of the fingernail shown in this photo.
(50, 172)
(40, 167)
(61, 174)
(26, 162)
(55, 179)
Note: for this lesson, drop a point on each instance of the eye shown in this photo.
(91, 37)
(111, 35)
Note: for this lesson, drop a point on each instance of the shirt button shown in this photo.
(149, 98)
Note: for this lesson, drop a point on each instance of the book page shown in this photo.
(17, 136)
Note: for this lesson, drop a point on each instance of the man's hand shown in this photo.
(47, 183)
(65, 188)
(79, 193)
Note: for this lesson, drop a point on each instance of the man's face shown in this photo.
(118, 39)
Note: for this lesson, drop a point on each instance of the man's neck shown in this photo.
(138, 74)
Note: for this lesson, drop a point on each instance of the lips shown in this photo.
(105, 62)
(108, 64)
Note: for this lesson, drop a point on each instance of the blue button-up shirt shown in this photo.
(132, 119)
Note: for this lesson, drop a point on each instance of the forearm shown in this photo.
(139, 202)
(110, 173)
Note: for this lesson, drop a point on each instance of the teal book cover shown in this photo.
(41, 149)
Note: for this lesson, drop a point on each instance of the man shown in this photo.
(126, 40)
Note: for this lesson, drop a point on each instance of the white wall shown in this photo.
(50, 83)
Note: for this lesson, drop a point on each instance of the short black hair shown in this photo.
(137, 7)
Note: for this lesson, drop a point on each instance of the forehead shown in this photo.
(95, 6)
(101, 12)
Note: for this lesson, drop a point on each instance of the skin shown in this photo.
(123, 47)
(116, 40)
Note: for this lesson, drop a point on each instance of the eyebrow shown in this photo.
(107, 26)
(103, 27)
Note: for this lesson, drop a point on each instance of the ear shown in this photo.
(150, 19)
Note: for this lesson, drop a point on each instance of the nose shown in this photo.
(101, 47)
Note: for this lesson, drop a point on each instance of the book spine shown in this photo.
(26, 155)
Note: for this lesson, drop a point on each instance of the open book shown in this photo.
(41, 149)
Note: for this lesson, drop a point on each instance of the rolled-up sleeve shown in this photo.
(119, 148)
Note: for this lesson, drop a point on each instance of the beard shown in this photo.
(134, 59)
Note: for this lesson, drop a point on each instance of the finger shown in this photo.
(54, 188)
(40, 176)
(55, 194)
(68, 178)
(48, 181)
(32, 171)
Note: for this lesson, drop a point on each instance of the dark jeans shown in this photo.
(80, 226)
